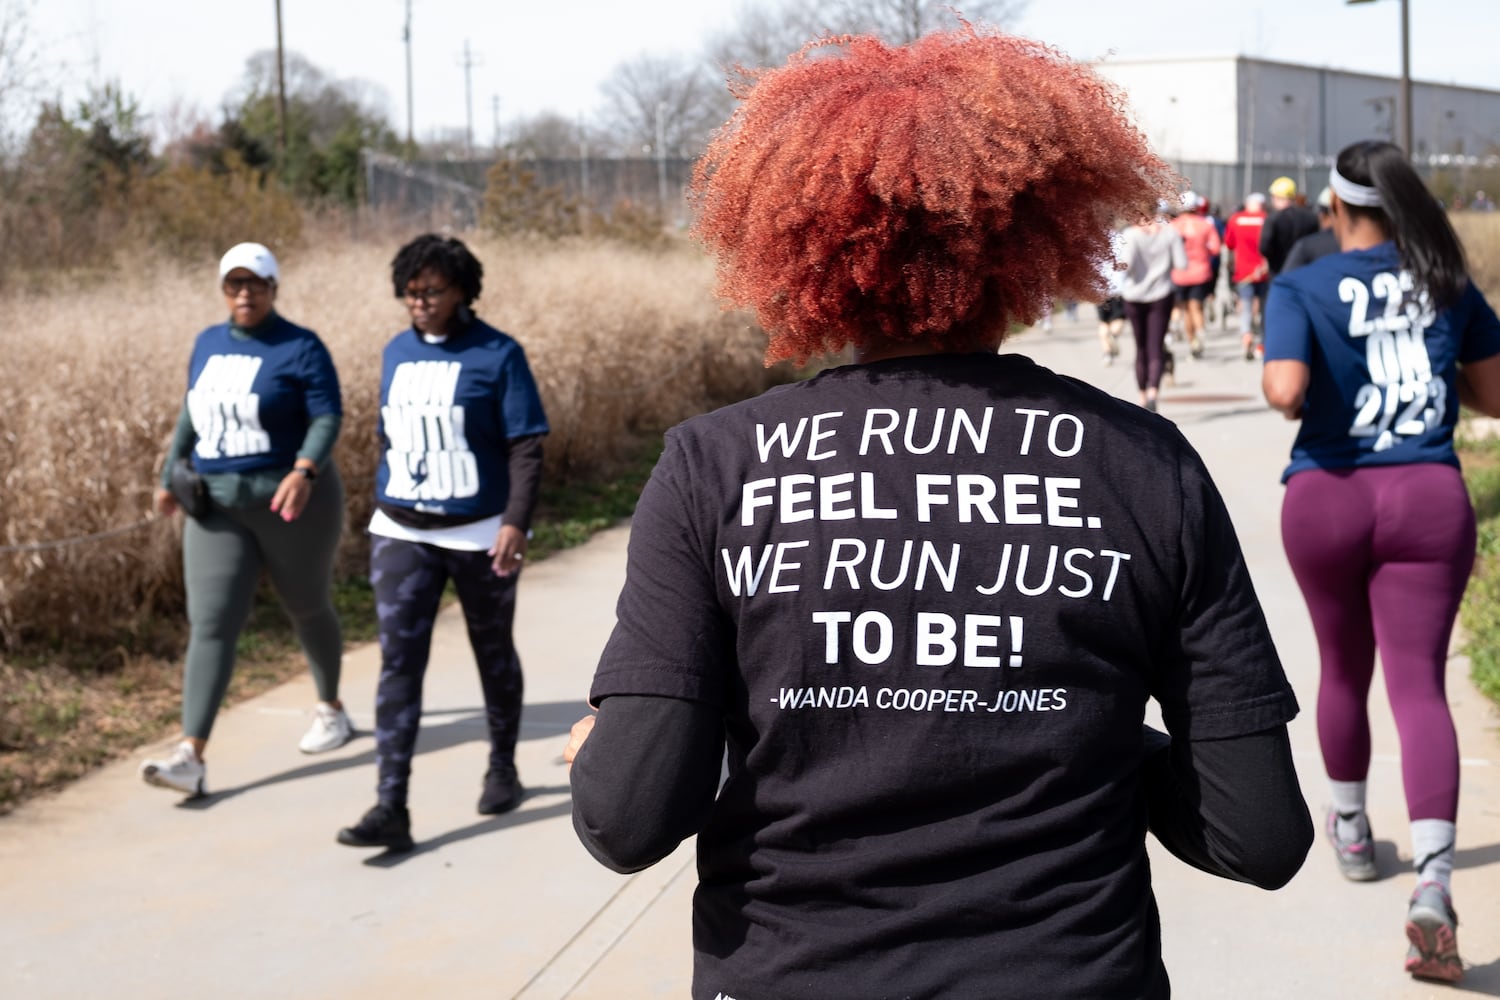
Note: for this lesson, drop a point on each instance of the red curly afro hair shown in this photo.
(929, 193)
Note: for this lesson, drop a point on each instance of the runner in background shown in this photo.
(1287, 223)
(1112, 309)
(1248, 268)
(1319, 244)
(1194, 283)
(1150, 251)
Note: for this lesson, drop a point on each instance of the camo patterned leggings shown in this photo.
(408, 579)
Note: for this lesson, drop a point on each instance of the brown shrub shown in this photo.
(621, 340)
(193, 212)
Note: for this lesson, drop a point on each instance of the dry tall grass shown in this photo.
(621, 341)
(1480, 232)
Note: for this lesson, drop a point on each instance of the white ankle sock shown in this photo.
(1432, 842)
(1349, 803)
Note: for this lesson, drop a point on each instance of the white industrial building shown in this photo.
(1232, 123)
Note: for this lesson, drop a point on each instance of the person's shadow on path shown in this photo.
(549, 720)
(1481, 979)
(491, 824)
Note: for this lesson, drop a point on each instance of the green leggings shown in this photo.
(222, 555)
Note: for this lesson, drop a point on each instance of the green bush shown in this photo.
(1481, 608)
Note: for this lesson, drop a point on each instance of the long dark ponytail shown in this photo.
(1412, 217)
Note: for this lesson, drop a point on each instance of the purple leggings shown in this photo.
(1382, 556)
(1148, 324)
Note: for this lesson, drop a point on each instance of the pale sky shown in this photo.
(550, 55)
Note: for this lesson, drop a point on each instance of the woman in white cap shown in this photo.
(258, 424)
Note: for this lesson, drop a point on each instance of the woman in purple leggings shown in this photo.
(1373, 349)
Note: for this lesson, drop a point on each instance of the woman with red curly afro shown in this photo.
(923, 599)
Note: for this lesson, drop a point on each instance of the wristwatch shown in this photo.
(307, 471)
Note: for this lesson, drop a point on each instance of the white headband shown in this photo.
(1352, 193)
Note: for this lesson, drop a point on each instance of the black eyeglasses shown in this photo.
(427, 295)
(255, 286)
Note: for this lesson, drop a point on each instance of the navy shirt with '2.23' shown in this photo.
(447, 410)
(252, 396)
(1383, 361)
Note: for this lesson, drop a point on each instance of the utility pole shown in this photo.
(280, 90)
(495, 112)
(406, 37)
(661, 156)
(1406, 141)
(468, 62)
(583, 158)
(1405, 109)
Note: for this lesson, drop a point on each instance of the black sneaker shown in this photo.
(502, 791)
(383, 826)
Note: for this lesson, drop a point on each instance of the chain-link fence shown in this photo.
(450, 193)
(1226, 184)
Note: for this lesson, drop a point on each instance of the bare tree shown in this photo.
(659, 101)
(902, 21)
(326, 102)
(766, 34)
(20, 70)
(550, 136)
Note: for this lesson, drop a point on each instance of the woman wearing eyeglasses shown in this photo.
(259, 421)
(461, 428)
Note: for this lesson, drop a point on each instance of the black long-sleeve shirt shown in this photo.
(1219, 805)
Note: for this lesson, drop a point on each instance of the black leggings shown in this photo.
(408, 578)
(1148, 323)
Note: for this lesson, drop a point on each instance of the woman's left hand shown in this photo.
(508, 551)
(576, 737)
(292, 495)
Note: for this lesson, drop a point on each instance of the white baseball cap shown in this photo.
(253, 257)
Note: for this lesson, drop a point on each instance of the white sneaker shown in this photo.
(184, 771)
(330, 730)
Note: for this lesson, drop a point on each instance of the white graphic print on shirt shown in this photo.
(1002, 577)
(429, 458)
(225, 413)
(1402, 398)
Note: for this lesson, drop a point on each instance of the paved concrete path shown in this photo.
(114, 889)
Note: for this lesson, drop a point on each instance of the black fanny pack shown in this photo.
(188, 488)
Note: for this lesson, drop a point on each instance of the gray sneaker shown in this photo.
(1432, 929)
(1356, 857)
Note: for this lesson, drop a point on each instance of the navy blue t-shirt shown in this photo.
(446, 412)
(1383, 362)
(252, 397)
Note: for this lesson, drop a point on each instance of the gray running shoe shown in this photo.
(1432, 929)
(1356, 857)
